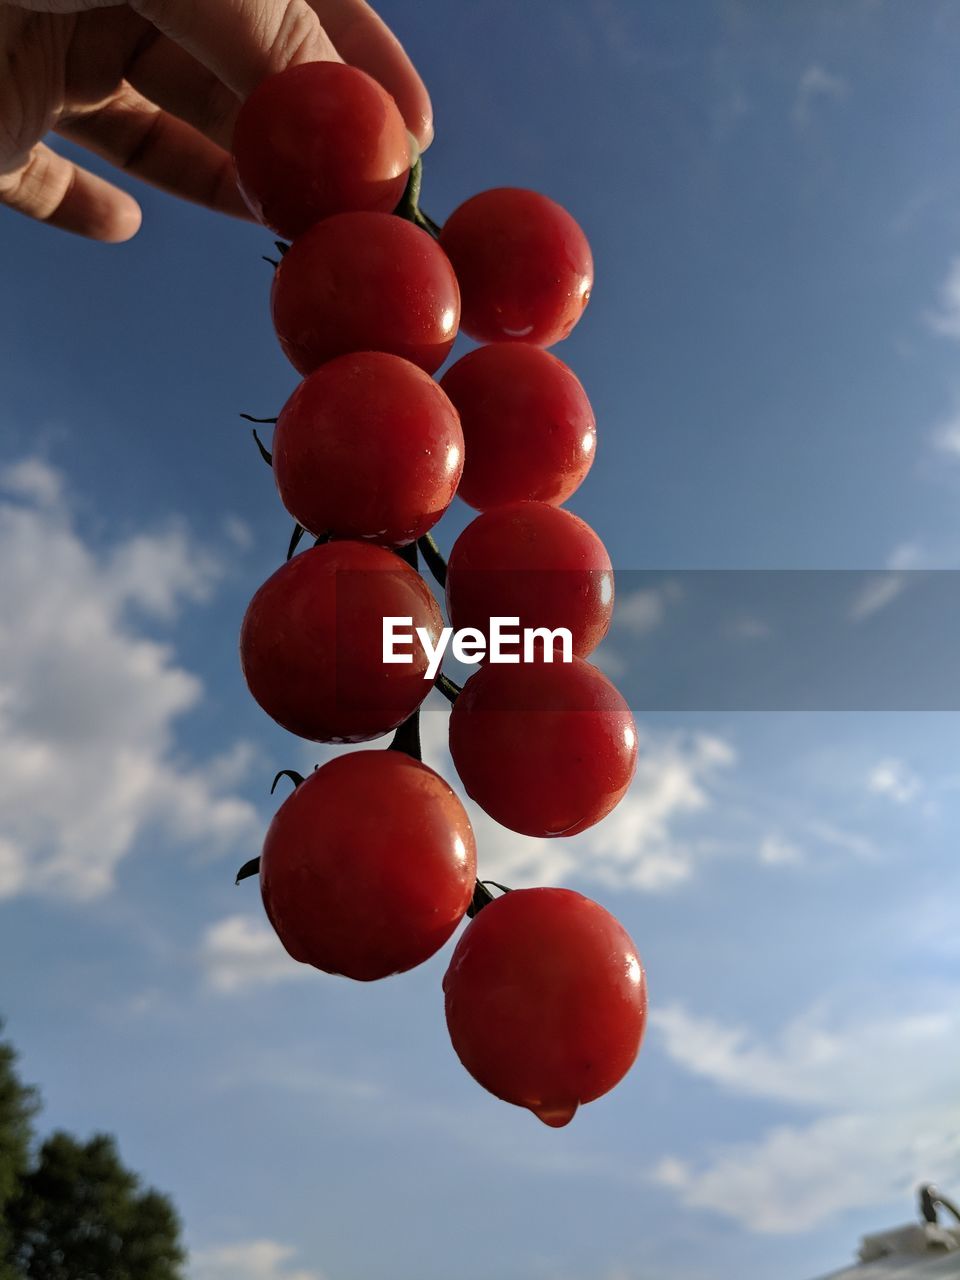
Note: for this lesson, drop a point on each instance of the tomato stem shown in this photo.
(433, 558)
(407, 737)
(298, 532)
(449, 688)
(409, 554)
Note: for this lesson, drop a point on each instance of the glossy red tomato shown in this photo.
(534, 562)
(311, 644)
(546, 749)
(365, 282)
(524, 266)
(529, 428)
(369, 866)
(368, 447)
(546, 1001)
(317, 139)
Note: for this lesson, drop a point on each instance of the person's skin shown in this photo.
(154, 86)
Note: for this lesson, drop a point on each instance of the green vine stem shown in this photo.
(433, 558)
(449, 688)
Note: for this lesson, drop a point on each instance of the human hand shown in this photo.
(154, 87)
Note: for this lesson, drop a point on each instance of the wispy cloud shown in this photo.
(641, 844)
(89, 701)
(816, 85)
(748, 628)
(894, 779)
(945, 436)
(641, 611)
(777, 851)
(249, 1260)
(945, 317)
(876, 594)
(239, 952)
(885, 1112)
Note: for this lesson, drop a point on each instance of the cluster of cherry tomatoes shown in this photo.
(370, 865)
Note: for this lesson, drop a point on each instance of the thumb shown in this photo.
(242, 41)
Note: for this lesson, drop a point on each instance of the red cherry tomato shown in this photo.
(368, 447)
(546, 1001)
(530, 431)
(311, 644)
(524, 266)
(317, 139)
(365, 282)
(546, 749)
(369, 866)
(534, 562)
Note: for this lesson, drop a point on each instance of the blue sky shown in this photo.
(772, 192)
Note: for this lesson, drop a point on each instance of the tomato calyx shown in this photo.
(295, 778)
(482, 897)
(252, 868)
(409, 206)
(282, 248)
(265, 453)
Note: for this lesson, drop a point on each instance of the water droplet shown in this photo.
(556, 1115)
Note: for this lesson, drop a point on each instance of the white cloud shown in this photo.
(89, 703)
(896, 780)
(849, 842)
(239, 952)
(885, 1111)
(155, 573)
(945, 436)
(876, 594)
(637, 846)
(775, 851)
(34, 480)
(945, 319)
(815, 84)
(749, 628)
(643, 610)
(251, 1260)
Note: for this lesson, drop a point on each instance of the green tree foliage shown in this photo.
(74, 1211)
(18, 1105)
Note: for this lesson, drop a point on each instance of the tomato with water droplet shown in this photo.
(546, 1001)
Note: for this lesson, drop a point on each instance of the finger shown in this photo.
(169, 76)
(242, 41)
(52, 189)
(140, 138)
(364, 40)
